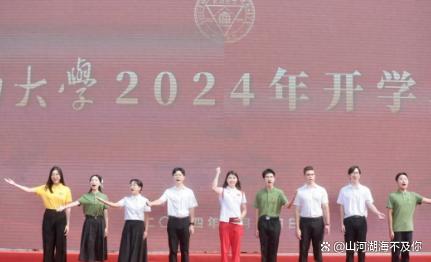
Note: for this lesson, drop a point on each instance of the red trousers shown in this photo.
(230, 237)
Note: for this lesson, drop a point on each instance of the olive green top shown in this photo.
(91, 205)
(269, 202)
(403, 206)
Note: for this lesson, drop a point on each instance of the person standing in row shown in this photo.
(401, 207)
(268, 204)
(133, 246)
(94, 234)
(181, 215)
(354, 199)
(311, 215)
(55, 225)
(233, 209)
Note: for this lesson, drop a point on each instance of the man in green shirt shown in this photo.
(268, 205)
(401, 207)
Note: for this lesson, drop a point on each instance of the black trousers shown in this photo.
(356, 231)
(269, 236)
(54, 240)
(312, 229)
(178, 233)
(406, 236)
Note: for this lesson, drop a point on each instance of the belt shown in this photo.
(93, 217)
(355, 217)
(173, 217)
(53, 212)
(268, 218)
(311, 218)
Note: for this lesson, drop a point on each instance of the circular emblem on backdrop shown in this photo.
(224, 20)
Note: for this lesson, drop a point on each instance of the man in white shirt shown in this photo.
(312, 216)
(354, 199)
(181, 215)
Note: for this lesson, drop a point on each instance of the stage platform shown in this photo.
(34, 256)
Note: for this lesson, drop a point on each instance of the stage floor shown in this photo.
(32, 256)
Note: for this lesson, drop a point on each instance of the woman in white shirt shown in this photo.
(133, 247)
(233, 209)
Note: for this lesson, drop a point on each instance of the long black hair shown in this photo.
(49, 182)
(237, 185)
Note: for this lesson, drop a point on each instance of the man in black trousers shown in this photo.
(181, 215)
(311, 215)
(354, 199)
(268, 205)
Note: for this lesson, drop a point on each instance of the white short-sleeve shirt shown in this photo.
(230, 201)
(134, 207)
(354, 200)
(180, 200)
(310, 199)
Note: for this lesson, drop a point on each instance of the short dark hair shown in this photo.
(352, 169)
(267, 171)
(137, 181)
(179, 169)
(308, 168)
(400, 174)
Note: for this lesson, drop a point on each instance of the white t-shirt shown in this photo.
(180, 200)
(310, 200)
(134, 207)
(230, 203)
(354, 200)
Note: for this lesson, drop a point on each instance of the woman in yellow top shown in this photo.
(55, 225)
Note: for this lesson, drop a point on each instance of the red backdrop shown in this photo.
(326, 83)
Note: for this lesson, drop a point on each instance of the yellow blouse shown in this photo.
(60, 196)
